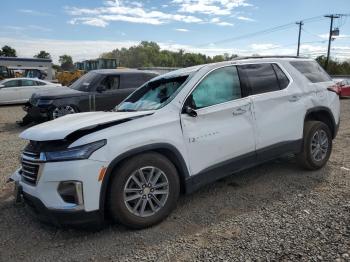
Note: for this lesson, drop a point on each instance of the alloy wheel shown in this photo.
(62, 111)
(319, 145)
(146, 191)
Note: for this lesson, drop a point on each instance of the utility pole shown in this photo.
(330, 37)
(300, 26)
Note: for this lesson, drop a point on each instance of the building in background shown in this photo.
(94, 64)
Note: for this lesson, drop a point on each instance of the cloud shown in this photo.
(258, 47)
(181, 30)
(118, 11)
(34, 12)
(244, 18)
(26, 28)
(340, 36)
(131, 12)
(217, 21)
(210, 7)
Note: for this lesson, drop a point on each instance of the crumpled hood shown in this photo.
(62, 127)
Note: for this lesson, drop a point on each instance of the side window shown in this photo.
(219, 86)
(281, 76)
(28, 83)
(133, 80)
(110, 83)
(312, 71)
(261, 78)
(13, 83)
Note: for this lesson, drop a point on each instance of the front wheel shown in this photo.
(62, 111)
(317, 145)
(143, 191)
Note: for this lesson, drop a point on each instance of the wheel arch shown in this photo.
(324, 115)
(168, 150)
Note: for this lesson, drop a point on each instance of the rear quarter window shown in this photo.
(312, 71)
(134, 80)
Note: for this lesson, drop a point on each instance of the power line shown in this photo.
(265, 31)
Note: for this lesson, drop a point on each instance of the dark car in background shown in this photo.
(98, 90)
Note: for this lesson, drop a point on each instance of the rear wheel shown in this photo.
(144, 190)
(62, 111)
(317, 145)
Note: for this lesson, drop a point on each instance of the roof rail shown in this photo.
(268, 56)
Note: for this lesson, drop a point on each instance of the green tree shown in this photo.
(8, 51)
(335, 67)
(43, 54)
(66, 62)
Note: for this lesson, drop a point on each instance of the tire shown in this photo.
(317, 145)
(63, 110)
(124, 187)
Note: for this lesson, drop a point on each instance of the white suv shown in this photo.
(174, 134)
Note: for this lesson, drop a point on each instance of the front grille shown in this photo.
(30, 167)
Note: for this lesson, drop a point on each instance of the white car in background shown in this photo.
(19, 90)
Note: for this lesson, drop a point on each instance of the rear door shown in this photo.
(10, 93)
(278, 108)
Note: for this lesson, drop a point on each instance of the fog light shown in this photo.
(71, 192)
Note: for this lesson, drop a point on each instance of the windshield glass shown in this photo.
(83, 83)
(153, 95)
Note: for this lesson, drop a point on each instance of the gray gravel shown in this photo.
(274, 212)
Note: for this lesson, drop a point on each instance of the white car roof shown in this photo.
(24, 78)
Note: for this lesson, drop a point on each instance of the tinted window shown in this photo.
(261, 78)
(219, 86)
(110, 82)
(28, 83)
(12, 83)
(281, 76)
(312, 71)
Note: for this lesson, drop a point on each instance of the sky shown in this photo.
(86, 28)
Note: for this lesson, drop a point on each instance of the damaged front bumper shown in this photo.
(66, 215)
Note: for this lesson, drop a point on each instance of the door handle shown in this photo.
(294, 98)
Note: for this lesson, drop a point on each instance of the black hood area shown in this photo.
(60, 92)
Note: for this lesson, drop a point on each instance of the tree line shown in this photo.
(149, 54)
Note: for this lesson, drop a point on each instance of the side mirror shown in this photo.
(101, 88)
(190, 111)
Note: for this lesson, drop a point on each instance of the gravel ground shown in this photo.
(274, 212)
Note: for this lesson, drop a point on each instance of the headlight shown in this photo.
(75, 153)
(44, 102)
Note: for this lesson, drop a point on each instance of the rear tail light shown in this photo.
(336, 89)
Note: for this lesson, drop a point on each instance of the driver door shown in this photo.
(220, 138)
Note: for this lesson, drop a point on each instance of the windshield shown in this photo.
(153, 95)
(83, 83)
